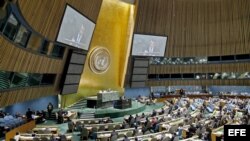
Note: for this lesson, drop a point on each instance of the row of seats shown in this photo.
(45, 137)
(100, 129)
(174, 124)
(128, 132)
(91, 121)
(10, 122)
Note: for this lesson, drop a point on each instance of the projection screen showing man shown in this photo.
(148, 45)
(76, 30)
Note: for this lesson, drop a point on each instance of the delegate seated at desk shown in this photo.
(145, 100)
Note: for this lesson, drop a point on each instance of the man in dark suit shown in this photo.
(29, 114)
(191, 131)
(50, 109)
(182, 93)
(60, 116)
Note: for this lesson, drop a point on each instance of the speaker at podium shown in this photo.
(180, 92)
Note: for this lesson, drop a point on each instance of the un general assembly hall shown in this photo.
(124, 70)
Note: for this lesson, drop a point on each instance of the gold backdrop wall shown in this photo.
(113, 32)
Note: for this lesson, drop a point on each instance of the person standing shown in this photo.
(29, 114)
(50, 109)
(151, 46)
(182, 93)
(17, 136)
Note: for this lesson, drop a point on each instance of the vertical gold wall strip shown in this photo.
(113, 31)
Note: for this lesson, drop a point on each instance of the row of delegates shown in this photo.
(41, 115)
(60, 137)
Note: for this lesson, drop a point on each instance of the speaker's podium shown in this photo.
(103, 99)
(123, 104)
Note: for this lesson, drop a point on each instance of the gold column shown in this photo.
(113, 32)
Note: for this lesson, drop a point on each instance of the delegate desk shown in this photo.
(194, 138)
(167, 125)
(218, 132)
(148, 114)
(186, 127)
(90, 121)
(28, 137)
(149, 137)
(70, 115)
(106, 125)
(195, 113)
(107, 134)
(53, 130)
(123, 104)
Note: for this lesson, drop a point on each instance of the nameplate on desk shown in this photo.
(232, 132)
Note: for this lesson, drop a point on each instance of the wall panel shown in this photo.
(198, 82)
(16, 59)
(21, 60)
(197, 27)
(21, 95)
(204, 68)
(44, 16)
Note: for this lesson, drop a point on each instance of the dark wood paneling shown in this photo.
(198, 82)
(204, 68)
(16, 59)
(197, 27)
(21, 95)
(44, 16)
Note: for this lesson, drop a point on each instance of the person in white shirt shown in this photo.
(17, 136)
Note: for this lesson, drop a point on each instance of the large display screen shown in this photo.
(148, 45)
(75, 30)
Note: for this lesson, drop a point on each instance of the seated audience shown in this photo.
(126, 138)
(154, 113)
(2, 114)
(62, 137)
(109, 120)
(101, 121)
(114, 133)
(53, 138)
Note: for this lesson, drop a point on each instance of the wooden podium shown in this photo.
(123, 104)
(105, 99)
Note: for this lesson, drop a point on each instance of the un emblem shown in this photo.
(99, 60)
